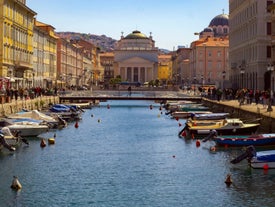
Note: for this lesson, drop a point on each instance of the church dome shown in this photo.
(220, 20)
(208, 29)
(136, 35)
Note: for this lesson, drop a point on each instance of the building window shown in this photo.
(268, 28)
(268, 51)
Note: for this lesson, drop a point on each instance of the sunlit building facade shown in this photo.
(44, 55)
(16, 42)
(250, 44)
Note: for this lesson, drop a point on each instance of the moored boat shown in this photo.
(25, 128)
(187, 114)
(9, 141)
(209, 116)
(260, 159)
(242, 140)
(234, 126)
(68, 113)
(36, 116)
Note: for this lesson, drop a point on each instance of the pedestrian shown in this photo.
(129, 90)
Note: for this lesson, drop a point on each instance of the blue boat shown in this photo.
(243, 140)
(261, 159)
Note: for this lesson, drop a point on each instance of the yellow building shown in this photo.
(16, 41)
(164, 68)
(44, 57)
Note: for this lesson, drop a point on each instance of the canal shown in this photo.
(129, 155)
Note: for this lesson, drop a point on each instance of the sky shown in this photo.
(171, 22)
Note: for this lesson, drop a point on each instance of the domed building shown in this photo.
(218, 27)
(136, 58)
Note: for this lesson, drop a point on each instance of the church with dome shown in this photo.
(209, 64)
(218, 27)
(136, 58)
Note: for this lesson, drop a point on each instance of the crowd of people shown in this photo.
(28, 93)
(244, 96)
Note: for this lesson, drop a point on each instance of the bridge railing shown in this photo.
(120, 93)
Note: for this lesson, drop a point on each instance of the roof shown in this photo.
(219, 20)
(136, 35)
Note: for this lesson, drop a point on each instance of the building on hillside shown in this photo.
(16, 43)
(44, 72)
(250, 44)
(136, 58)
(164, 69)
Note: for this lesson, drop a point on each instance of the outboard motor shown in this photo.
(5, 144)
(249, 153)
(181, 131)
(212, 134)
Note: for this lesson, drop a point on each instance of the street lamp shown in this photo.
(242, 74)
(270, 68)
(223, 78)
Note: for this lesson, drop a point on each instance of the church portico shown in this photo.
(136, 58)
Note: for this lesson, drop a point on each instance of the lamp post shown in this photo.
(33, 74)
(242, 74)
(270, 68)
(195, 82)
(223, 78)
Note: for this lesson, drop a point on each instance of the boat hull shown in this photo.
(201, 133)
(262, 165)
(263, 159)
(28, 130)
(239, 141)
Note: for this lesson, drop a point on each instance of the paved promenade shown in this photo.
(259, 109)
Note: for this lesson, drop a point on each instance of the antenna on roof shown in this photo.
(222, 11)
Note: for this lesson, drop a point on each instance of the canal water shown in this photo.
(129, 155)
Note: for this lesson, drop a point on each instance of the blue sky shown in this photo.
(172, 22)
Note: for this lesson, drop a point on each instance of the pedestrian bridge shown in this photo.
(102, 95)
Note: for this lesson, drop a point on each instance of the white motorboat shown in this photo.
(52, 122)
(25, 128)
(261, 159)
(9, 141)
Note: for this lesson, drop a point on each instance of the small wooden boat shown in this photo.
(200, 129)
(187, 114)
(242, 140)
(261, 159)
(209, 116)
(192, 107)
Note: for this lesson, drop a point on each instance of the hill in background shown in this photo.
(102, 41)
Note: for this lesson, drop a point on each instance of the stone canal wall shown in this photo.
(248, 113)
(29, 104)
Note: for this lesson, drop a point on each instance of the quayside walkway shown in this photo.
(258, 109)
(246, 112)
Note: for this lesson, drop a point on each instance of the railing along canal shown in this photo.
(103, 95)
